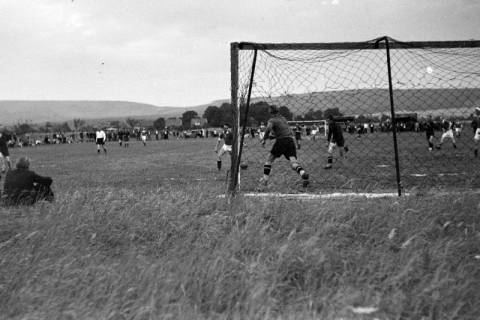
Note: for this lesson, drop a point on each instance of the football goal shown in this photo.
(384, 94)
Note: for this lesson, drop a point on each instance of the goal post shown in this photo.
(381, 92)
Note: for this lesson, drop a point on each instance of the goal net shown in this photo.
(383, 93)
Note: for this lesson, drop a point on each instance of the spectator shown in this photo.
(4, 152)
(23, 186)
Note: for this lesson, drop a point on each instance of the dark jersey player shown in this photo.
(227, 137)
(298, 135)
(284, 146)
(430, 132)
(334, 139)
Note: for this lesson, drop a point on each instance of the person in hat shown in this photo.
(4, 152)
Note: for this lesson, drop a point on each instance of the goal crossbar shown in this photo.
(373, 44)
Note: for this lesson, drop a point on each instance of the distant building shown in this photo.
(198, 122)
(173, 122)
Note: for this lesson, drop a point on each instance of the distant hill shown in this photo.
(450, 102)
(14, 111)
(375, 101)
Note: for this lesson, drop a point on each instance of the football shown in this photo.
(243, 166)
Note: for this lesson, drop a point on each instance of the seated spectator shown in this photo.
(25, 187)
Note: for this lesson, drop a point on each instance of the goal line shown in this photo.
(352, 195)
(310, 196)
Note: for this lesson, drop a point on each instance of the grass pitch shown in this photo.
(369, 165)
(141, 234)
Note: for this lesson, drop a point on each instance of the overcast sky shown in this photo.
(176, 52)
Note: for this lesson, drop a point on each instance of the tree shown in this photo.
(62, 127)
(22, 128)
(115, 124)
(227, 113)
(384, 118)
(159, 123)
(214, 116)
(187, 117)
(313, 114)
(131, 122)
(332, 111)
(362, 118)
(48, 126)
(284, 111)
(259, 111)
(78, 123)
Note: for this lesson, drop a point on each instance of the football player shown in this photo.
(447, 127)
(227, 137)
(334, 139)
(476, 130)
(284, 145)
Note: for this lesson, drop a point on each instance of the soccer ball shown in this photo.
(243, 166)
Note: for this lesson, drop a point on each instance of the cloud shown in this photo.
(332, 2)
(182, 46)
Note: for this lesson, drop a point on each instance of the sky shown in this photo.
(177, 52)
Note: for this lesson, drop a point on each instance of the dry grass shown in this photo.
(120, 249)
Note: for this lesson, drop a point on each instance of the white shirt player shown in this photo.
(100, 134)
(447, 132)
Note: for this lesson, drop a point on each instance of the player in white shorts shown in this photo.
(447, 127)
(227, 137)
(261, 131)
(143, 136)
(476, 133)
(100, 139)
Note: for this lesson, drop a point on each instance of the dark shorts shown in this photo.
(340, 143)
(4, 151)
(100, 142)
(285, 147)
(298, 135)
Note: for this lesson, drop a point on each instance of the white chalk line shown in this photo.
(438, 174)
(352, 195)
(309, 196)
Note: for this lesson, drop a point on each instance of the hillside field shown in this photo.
(143, 233)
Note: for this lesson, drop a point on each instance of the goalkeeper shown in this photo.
(284, 145)
(334, 139)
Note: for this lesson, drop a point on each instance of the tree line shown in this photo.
(216, 116)
(258, 113)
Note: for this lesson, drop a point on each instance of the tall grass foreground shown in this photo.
(184, 253)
